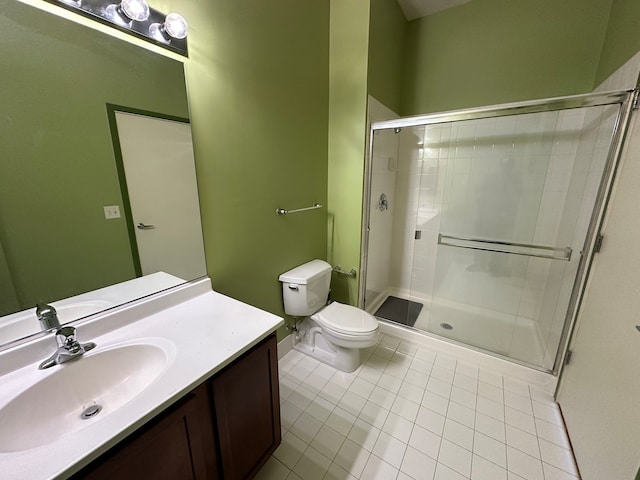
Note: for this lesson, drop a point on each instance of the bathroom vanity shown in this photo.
(185, 384)
(225, 428)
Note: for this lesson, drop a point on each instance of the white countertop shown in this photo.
(208, 330)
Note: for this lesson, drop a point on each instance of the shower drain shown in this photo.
(446, 326)
(91, 411)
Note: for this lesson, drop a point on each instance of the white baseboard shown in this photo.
(285, 346)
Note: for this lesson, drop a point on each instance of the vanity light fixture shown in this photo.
(135, 17)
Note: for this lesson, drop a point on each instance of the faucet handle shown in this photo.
(66, 338)
(69, 348)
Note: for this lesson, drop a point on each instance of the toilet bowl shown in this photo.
(333, 334)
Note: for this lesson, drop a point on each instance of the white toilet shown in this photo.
(334, 333)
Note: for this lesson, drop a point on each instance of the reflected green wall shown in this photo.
(8, 298)
(623, 37)
(495, 51)
(258, 86)
(57, 169)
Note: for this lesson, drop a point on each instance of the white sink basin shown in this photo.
(102, 380)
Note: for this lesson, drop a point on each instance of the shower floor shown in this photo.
(507, 335)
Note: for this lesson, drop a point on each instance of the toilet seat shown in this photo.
(346, 320)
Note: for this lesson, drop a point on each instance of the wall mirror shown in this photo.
(58, 170)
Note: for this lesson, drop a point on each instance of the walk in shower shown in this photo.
(480, 225)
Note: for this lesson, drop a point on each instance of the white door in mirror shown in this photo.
(159, 167)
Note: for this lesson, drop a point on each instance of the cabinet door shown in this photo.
(179, 445)
(247, 411)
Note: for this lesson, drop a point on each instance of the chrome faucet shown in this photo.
(68, 346)
(48, 316)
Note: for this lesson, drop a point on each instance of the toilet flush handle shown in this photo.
(293, 287)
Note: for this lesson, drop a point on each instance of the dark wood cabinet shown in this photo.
(226, 428)
(178, 444)
(246, 402)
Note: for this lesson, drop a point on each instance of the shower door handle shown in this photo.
(417, 235)
(500, 246)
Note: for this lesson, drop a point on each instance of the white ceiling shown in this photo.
(419, 8)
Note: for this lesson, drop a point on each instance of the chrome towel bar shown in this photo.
(494, 246)
(282, 211)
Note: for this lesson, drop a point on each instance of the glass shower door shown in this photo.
(492, 197)
(497, 246)
(478, 221)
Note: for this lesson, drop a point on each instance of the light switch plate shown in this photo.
(112, 211)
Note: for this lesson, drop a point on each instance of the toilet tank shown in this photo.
(305, 289)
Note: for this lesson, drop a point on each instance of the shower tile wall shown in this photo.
(407, 179)
(383, 181)
(421, 173)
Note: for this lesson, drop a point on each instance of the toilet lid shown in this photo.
(345, 318)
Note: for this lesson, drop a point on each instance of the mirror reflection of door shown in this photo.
(160, 194)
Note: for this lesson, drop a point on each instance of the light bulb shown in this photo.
(128, 11)
(174, 26)
(137, 10)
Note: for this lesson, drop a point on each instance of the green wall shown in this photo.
(57, 169)
(349, 40)
(495, 51)
(258, 90)
(347, 124)
(623, 37)
(387, 27)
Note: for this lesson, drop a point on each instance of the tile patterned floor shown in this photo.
(408, 413)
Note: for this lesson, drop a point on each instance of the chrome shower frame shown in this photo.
(627, 101)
